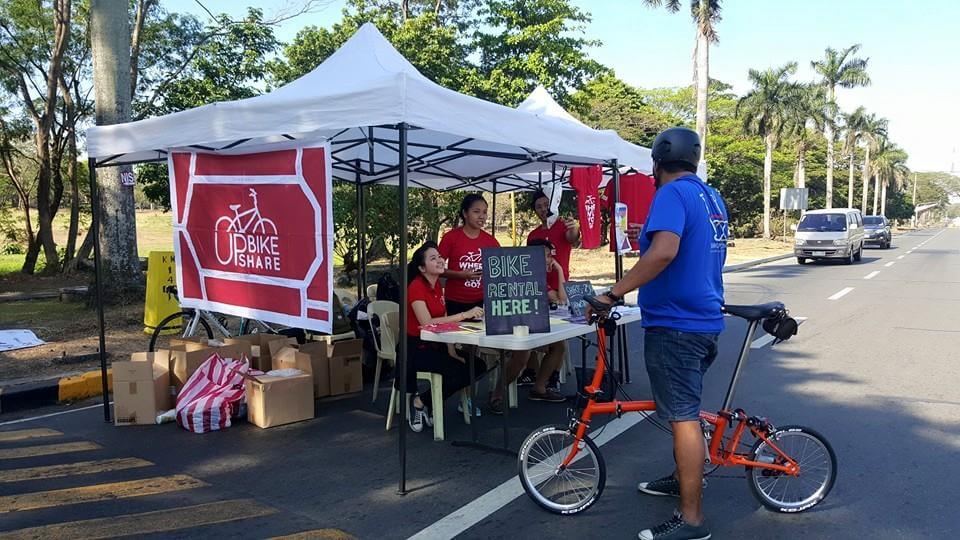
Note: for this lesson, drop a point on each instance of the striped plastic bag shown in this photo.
(212, 394)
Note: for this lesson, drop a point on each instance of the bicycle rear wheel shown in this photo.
(162, 333)
(782, 492)
(562, 491)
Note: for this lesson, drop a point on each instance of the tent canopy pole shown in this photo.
(98, 280)
(402, 337)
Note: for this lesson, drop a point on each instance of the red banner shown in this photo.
(254, 234)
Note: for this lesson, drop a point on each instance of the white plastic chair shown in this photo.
(387, 344)
(372, 291)
(436, 398)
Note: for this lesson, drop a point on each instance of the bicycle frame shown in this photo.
(718, 455)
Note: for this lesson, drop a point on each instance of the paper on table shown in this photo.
(18, 339)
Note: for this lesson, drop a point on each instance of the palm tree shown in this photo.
(872, 131)
(767, 110)
(705, 13)
(808, 110)
(838, 68)
(889, 163)
(854, 123)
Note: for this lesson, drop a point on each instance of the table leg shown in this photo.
(474, 443)
(506, 410)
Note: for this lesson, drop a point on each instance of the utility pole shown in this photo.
(914, 218)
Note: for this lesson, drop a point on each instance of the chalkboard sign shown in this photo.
(576, 290)
(515, 290)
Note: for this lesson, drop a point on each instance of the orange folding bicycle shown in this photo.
(788, 469)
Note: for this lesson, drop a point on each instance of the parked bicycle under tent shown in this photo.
(385, 123)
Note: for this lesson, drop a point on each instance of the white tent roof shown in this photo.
(541, 103)
(356, 98)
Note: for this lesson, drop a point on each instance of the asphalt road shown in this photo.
(874, 370)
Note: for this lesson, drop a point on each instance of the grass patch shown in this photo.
(48, 318)
(11, 263)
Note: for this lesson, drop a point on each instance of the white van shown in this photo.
(835, 233)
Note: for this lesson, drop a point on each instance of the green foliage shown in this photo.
(898, 205)
(609, 103)
(524, 43)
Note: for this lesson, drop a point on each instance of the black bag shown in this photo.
(388, 288)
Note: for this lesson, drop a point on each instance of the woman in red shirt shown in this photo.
(425, 305)
(461, 248)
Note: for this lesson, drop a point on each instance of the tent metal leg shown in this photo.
(402, 352)
(98, 280)
(361, 239)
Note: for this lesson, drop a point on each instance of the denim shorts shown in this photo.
(676, 362)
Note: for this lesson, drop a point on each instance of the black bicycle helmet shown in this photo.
(677, 144)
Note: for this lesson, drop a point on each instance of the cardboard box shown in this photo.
(260, 345)
(346, 366)
(186, 359)
(310, 358)
(274, 401)
(141, 388)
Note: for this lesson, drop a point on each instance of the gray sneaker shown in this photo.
(668, 486)
(676, 528)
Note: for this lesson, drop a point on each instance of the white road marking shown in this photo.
(51, 414)
(889, 264)
(477, 510)
(767, 338)
(871, 275)
(900, 257)
(840, 294)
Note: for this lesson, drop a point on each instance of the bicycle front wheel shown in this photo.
(561, 490)
(782, 492)
(178, 325)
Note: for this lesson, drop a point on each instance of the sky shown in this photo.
(912, 47)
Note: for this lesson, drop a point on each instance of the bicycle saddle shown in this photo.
(235, 206)
(756, 312)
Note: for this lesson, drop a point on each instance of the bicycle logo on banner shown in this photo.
(247, 239)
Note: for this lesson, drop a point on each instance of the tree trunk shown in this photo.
(883, 200)
(703, 81)
(828, 135)
(866, 180)
(850, 188)
(33, 249)
(110, 46)
(74, 199)
(802, 164)
(876, 192)
(80, 261)
(767, 173)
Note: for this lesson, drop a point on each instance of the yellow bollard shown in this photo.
(159, 303)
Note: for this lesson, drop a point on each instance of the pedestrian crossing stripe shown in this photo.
(47, 449)
(71, 469)
(318, 534)
(158, 521)
(25, 434)
(98, 492)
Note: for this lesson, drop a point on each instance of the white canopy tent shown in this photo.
(355, 99)
(386, 123)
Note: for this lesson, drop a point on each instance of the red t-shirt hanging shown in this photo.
(557, 235)
(419, 289)
(586, 180)
(463, 253)
(636, 191)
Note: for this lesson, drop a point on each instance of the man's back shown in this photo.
(688, 293)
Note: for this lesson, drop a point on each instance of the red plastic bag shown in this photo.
(212, 395)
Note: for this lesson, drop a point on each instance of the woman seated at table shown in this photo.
(425, 305)
(554, 352)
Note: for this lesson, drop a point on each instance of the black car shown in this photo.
(876, 231)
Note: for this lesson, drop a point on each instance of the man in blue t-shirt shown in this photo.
(683, 247)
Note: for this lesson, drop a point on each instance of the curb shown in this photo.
(755, 262)
(47, 392)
